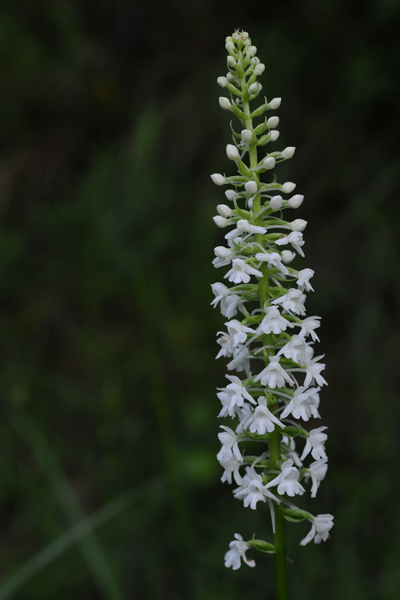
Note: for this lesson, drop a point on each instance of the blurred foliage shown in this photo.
(111, 126)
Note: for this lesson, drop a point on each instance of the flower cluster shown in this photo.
(269, 340)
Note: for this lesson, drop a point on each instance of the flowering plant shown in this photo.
(271, 343)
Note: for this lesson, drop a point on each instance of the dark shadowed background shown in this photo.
(109, 486)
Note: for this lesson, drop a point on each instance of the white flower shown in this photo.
(229, 443)
(241, 360)
(273, 259)
(241, 271)
(237, 332)
(295, 239)
(262, 419)
(244, 413)
(252, 490)
(303, 405)
(315, 443)
(237, 551)
(222, 81)
(273, 375)
(308, 326)
(292, 301)
(297, 350)
(225, 342)
(231, 466)
(303, 279)
(243, 226)
(317, 471)
(223, 256)
(273, 322)
(320, 528)
(290, 450)
(313, 370)
(287, 480)
(233, 396)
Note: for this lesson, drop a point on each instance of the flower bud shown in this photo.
(252, 50)
(245, 35)
(231, 77)
(224, 103)
(231, 195)
(295, 201)
(230, 46)
(274, 135)
(275, 103)
(273, 122)
(254, 89)
(251, 187)
(296, 225)
(286, 256)
(288, 152)
(247, 135)
(225, 211)
(276, 202)
(259, 69)
(220, 221)
(218, 179)
(231, 61)
(221, 252)
(269, 163)
(288, 187)
(222, 81)
(232, 152)
(255, 60)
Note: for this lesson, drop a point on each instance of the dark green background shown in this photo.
(111, 127)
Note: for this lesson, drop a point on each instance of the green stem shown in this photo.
(275, 438)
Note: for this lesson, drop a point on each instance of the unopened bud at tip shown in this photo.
(275, 103)
(232, 152)
(288, 187)
(276, 202)
(288, 152)
(221, 252)
(225, 211)
(295, 201)
(273, 122)
(231, 194)
(251, 187)
(274, 135)
(298, 225)
(287, 256)
(220, 221)
(224, 103)
(218, 179)
(269, 163)
(247, 135)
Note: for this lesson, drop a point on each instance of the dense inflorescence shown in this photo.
(268, 338)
